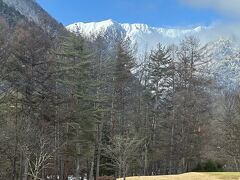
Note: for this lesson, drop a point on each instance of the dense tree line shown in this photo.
(71, 107)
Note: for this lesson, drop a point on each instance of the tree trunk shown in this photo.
(171, 151)
(91, 170)
(25, 174)
(183, 165)
(61, 177)
(236, 164)
(43, 174)
(14, 172)
(145, 160)
(21, 166)
(125, 170)
(78, 168)
(99, 144)
(120, 171)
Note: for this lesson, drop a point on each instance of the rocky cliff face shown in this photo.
(30, 10)
(9, 13)
(27, 8)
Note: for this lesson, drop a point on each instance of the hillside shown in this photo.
(14, 10)
(10, 13)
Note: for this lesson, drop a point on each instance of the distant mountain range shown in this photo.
(144, 36)
(147, 37)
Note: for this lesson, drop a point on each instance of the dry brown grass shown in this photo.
(191, 176)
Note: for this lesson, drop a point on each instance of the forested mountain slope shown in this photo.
(13, 10)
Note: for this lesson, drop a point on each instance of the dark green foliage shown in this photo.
(209, 166)
(123, 86)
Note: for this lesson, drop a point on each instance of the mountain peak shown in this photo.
(144, 36)
(108, 22)
(92, 27)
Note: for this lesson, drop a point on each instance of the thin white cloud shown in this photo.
(229, 7)
(221, 30)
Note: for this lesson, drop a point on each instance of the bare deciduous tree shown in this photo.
(121, 152)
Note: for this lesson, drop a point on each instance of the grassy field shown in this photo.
(192, 176)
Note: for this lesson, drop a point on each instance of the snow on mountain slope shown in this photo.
(225, 64)
(222, 43)
(144, 36)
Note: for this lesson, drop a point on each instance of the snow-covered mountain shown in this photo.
(222, 42)
(225, 64)
(144, 36)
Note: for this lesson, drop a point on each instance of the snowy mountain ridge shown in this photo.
(222, 43)
(147, 37)
(95, 27)
(144, 36)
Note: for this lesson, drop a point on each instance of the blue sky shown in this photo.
(164, 13)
